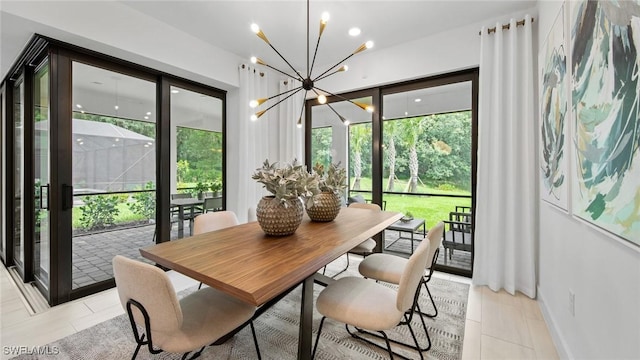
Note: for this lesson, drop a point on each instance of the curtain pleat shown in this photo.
(291, 137)
(253, 141)
(506, 216)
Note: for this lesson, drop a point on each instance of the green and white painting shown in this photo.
(553, 113)
(605, 37)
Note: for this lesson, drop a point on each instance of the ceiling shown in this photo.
(226, 24)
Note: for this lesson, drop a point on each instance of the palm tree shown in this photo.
(411, 130)
(391, 132)
(360, 134)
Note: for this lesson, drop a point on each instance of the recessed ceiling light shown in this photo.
(148, 112)
(354, 31)
(116, 107)
(146, 118)
(174, 91)
(79, 106)
(406, 113)
(417, 100)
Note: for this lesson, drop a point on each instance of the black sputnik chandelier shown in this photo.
(308, 80)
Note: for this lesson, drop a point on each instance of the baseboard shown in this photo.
(558, 340)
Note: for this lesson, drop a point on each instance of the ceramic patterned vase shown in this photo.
(276, 219)
(326, 207)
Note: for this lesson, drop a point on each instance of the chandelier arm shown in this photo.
(288, 96)
(334, 110)
(314, 56)
(285, 60)
(282, 72)
(282, 93)
(302, 109)
(326, 76)
(334, 66)
(338, 96)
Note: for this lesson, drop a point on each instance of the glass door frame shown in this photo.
(61, 57)
(376, 94)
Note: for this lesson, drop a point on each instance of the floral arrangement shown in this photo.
(335, 179)
(287, 182)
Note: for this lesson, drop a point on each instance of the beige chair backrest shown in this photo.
(152, 288)
(411, 276)
(435, 240)
(366, 206)
(214, 221)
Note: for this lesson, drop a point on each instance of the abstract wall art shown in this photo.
(605, 38)
(554, 83)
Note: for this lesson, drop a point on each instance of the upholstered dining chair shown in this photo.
(213, 221)
(372, 307)
(172, 325)
(389, 268)
(366, 247)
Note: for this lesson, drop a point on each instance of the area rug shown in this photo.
(277, 331)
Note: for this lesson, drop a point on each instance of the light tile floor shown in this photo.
(499, 325)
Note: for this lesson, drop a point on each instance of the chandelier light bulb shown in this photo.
(325, 17)
(369, 109)
(254, 117)
(369, 44)
(255, 28)
(254, 59)
(253, 104)
(322, 99)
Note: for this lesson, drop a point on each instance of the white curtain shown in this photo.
(506, 215)
(291, 137)
(252, 140)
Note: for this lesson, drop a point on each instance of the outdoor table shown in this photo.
(181, 204)
(407, 226)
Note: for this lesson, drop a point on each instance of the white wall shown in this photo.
(602, 271)
(119, 31)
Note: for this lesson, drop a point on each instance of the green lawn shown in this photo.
(431, 208)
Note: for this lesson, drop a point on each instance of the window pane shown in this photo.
(196, 154)
(114, 170)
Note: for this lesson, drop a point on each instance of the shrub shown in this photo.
(145, 202)
(446, 187)
(99, 211)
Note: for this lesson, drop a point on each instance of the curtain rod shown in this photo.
(505, 26)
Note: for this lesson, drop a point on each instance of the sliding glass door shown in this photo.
(92, 149)
(413, 155)
(113, 129)
(427, 171)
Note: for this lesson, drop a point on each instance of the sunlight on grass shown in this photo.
(431, 208)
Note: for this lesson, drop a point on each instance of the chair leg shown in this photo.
(255, 340)
(200, 286)
(339, 272)
(432, 302)
(315, 346)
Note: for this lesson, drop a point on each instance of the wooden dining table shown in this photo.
(245, 263)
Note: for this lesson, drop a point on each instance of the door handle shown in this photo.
(44, 197)
(67, 197)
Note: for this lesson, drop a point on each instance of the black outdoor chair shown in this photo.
(459, 233)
